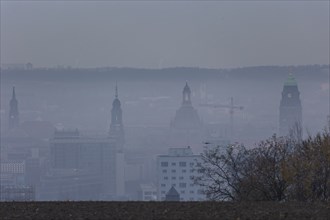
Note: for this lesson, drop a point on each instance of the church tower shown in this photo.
(290, 109)
(186, 116)
(186, 126)
(116, 126)
(186, 99)
(13, 112)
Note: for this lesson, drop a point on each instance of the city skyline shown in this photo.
(164, 100)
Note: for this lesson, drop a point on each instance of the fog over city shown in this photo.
(165, 34)
(98, 98)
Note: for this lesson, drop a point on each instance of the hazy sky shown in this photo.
(163, 34)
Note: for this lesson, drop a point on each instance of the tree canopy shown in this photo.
(278, 169)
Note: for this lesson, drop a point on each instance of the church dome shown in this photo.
(186, 116)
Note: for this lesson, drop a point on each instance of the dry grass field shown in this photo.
(162, 210)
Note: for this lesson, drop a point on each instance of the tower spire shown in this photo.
(116, 92)
(13, 111)
(14, 94)
(186, 95)
(116, 126)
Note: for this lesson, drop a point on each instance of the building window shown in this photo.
(191, 164)
(183, 185)
(163, 185)
(164, 171)
(182, 164)
(191, 184)
(173, 164)
(173, 171)
(173, 178)
(182, 191)
(200, 191)
(181, 177)
(192, 170)
(165, 178)
(164, 164)
(163, 192)
(184, 171)
(192, 191)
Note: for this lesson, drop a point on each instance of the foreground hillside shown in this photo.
(162, 210)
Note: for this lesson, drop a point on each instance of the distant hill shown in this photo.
(308, 72)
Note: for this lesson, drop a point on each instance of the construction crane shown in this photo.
(231, 108)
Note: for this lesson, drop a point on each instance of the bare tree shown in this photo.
(241, 174)
(222, 172)
(267, 170)
(310, 169)
(278, 169)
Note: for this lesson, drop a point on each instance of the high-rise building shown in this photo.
(70, 150)
(13, 112)
(176, 169)
(290, 109)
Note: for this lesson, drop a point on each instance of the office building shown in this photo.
(176, 169)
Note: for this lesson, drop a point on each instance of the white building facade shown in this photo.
(148, 192)
(177, 169)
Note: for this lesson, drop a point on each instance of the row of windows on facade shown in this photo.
(174, 177)
(183, 171)
(183, 192)
(12, 167)
(148, 193)
(181, 185)
(181, 164)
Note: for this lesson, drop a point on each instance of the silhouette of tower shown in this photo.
(186, 116)
(290, 109)
(186, 99)
(116, 126)
(13, 111)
